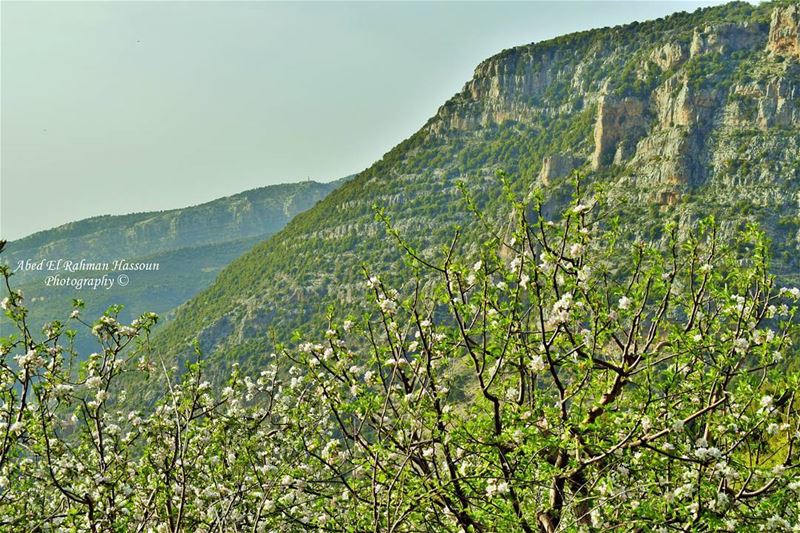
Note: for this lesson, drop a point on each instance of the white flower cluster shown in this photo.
(738, 303)
(493, 488)
(387, 306)
(763, 336)
(740, 345)
(560, 311)
(94, 382)
(581, 208)
(793, 292)
(30, 360)
(537, 364)
(704, 453)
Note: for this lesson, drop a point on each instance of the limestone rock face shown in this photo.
(766, 103)
(784, 32)
(517, 85)
(669, 55)
(673, 104)
(660, 132)
(725, 38)
(496, 93)
(620, 123)
(779, 105)
(558, 166)
(671, 155)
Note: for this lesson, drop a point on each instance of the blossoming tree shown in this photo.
(565, 378)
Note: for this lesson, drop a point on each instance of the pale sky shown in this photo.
(119, 107)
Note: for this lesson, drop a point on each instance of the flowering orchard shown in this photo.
(540, 384)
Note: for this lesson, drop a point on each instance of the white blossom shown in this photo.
(537, 364)
(387, 306)
(777, 523)
(560, 311)
(493, 488)
(794, 292)
(740, 345)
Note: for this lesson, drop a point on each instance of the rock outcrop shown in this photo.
(784, 32)
(498, 92)
(558, 166)
(765, 103)
(779, 104)
(669, 55)
(671, 153)
(726, 38)
(620, 124)
(519, 85)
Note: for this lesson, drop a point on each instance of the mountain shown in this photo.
(189, 246)
(675, 118)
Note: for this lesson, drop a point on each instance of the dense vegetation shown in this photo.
(620, 355)
(539, 384)
(546, 104)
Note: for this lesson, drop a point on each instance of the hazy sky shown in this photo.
(117, 107)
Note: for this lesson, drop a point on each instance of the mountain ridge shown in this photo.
(86, 226)
(190, 245)
(678, 118)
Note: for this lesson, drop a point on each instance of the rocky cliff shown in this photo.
(669, 113)
(784, 32)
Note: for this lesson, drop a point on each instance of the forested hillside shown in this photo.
(676, 119)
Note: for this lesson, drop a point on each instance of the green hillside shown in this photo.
(675, 118)
(190, 246)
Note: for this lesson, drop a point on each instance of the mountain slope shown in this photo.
(251, 213)
(189, 245)
(676, 118)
